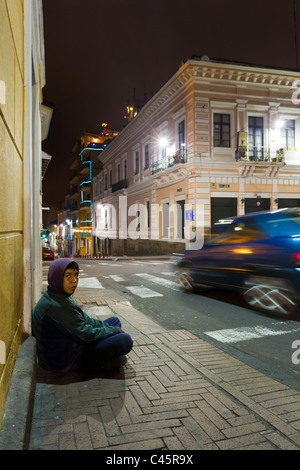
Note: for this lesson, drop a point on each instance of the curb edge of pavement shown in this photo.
(16, 423)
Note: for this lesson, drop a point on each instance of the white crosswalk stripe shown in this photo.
(91, 282)
(143, 292)
(117, 278)
(159, 280)
(247, 333)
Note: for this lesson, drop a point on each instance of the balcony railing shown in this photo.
(120, 185)
(163, 164)
(259, 154)
(85, 204)
(85, 184)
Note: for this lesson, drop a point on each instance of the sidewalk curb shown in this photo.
(16, 423)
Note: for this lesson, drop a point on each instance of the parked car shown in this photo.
(257, 254)
(47, 253)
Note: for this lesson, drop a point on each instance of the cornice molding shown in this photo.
(197, 71)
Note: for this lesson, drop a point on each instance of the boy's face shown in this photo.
(70, 280)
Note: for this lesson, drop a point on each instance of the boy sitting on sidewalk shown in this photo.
(67, 338)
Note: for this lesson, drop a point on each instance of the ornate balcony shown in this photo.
(259, 161)
(171, 160)
(259, 154)
(120, 185)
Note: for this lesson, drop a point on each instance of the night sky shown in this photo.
(98, 52)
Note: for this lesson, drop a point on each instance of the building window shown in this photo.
(137, 163)
(221, 130)
(119, 172)
(146, 156)
(110, 178)
(181, 136)
(125, 169)
(105, 182)
(287, 134)
(256, 137)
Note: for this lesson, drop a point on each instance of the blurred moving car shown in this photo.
(47, 253)
(257, 254)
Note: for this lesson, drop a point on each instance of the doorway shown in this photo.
(253, 204)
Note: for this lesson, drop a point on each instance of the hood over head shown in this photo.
(56, 272)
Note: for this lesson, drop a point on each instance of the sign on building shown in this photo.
(2, 92)
(2, 353)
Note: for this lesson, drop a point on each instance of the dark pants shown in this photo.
(109, 348)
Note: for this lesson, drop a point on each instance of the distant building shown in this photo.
(218, 139)
(75, 220)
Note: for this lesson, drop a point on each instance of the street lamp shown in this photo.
(163, 142)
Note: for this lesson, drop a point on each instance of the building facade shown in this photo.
(75, 219)
(22, 77)
(219, 139)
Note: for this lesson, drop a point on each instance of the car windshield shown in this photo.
(282, 224)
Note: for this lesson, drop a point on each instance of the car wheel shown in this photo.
(184, 280)
(272, 295)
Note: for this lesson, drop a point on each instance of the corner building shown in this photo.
(217, 140)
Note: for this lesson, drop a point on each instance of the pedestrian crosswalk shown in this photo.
(128, 281)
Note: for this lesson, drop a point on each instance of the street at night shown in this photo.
(150, 227)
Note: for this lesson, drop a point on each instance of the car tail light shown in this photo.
(296, 258)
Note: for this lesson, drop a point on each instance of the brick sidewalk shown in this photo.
(176, 392)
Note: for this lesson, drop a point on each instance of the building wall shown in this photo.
(11, 181)
(21, 80)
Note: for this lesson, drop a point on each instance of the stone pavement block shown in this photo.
(140, 436)
(186, 439)
(140, 427)
(280, 442)
(213, 415)
(67, 442)
(82, 437)
(149, 444)
(243, 442)
(207, 425)
(121, 415)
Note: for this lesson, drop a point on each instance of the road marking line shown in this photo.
(143, 291)
(91, 282)
(159, 280)
(109, 264)
(247, 333)
(117, 278)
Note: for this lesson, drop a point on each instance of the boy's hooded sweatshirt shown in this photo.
(62, 329)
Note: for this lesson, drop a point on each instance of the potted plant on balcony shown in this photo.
(266, 156)
(279, 156)
(241, 152)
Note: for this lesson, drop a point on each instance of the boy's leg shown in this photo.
(107, 350)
